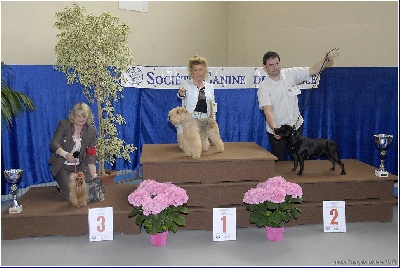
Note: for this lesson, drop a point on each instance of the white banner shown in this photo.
(220, 77)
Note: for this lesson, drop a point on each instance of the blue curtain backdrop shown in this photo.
(349, 106)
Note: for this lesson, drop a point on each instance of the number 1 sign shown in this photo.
(224, 224)
(334, 216)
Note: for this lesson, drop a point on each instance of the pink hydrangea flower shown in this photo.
(278, 191)
(276, 194)
(274, 190)
(153, 197)
(294, 190)
(255, 196)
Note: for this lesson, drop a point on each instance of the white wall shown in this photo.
(168, 35)
(366, 33)
(226, 33)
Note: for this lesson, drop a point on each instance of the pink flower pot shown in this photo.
(275, 234)
(160, 239)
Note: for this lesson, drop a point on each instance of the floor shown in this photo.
(364, 243)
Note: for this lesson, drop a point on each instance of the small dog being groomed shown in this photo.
(196, 132)
(302, 147)
(81, 192)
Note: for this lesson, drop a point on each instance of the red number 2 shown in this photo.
(335, 214)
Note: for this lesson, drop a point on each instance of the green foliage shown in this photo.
(274, 214)
(13, 103)
(93, 51)
(168, 219)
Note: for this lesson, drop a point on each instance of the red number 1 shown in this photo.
(335, 214)
(223, 219)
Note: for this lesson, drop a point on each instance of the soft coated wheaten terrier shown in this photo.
(196, 132)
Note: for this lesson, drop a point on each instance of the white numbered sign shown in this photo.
(101, 224)
(224, 224)
(334, 216)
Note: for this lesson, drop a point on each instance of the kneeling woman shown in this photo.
(74, 147)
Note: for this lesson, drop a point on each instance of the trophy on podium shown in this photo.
(13, 177)
(382, 141)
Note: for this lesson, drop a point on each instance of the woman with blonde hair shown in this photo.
(196, 93)
(74, 147)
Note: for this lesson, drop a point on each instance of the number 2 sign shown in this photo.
(334, 216)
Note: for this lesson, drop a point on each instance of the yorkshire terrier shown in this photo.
(77, 189)
(81, 192)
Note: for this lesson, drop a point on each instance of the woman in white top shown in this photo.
(196, 93)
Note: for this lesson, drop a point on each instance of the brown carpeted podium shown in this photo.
(216, 180)
(221, 180)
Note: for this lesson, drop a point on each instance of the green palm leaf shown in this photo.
(13, 103)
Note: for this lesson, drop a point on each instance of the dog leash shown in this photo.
(75, 155)
(335, 51)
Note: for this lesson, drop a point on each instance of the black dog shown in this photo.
(302, 147)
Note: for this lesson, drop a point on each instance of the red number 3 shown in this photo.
(102, 225)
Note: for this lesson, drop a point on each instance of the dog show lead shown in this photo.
(335, 52)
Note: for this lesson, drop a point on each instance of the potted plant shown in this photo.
(272, 204)
(93, 51)
(13, 103)
(158, 207)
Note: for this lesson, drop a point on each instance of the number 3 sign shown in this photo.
(334, 216)
(101, 224)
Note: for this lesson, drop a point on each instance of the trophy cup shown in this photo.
(13, 177)
(382, 141)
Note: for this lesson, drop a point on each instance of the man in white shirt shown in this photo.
(277, 96)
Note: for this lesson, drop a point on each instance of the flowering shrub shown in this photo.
(158, 206)
(271, 203)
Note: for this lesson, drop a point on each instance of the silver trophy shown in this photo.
(382, 141)
(13, 177)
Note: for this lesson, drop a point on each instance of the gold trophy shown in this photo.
(13, 177)
(382, 141)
